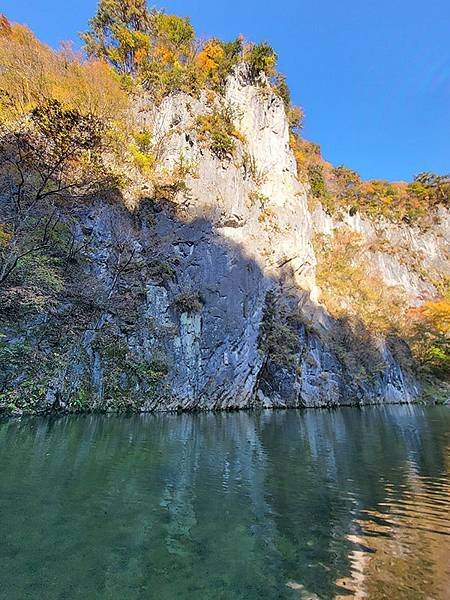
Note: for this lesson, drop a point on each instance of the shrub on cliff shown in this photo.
(218, 132)
(261, 58)
(278, 334)
(430, 335)
(316, 181)
(217, 59)
(188, 302)
(56, 153)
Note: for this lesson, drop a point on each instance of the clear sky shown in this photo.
(373, 76)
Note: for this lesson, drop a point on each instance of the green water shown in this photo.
(284, 504)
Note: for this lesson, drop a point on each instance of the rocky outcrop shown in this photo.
(185, 274)
(403, 255)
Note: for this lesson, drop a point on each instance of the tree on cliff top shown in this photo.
(119, 34)
(126, 34)
(162, 50)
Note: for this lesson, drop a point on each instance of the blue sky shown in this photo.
(373, 76)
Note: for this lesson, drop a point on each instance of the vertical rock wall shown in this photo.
(241, 227)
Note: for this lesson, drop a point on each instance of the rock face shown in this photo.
(204, 265)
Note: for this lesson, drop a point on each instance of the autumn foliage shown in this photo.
(358, 295)
(340, 189)
(31, 72)
(430, 335)
(161, 52)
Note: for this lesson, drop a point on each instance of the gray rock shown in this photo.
(230, 248)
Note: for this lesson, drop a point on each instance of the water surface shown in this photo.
(282, 504)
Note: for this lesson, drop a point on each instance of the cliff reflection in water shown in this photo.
(320, 504)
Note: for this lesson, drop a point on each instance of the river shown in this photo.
(351, 503)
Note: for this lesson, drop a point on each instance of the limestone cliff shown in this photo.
(204, 295)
